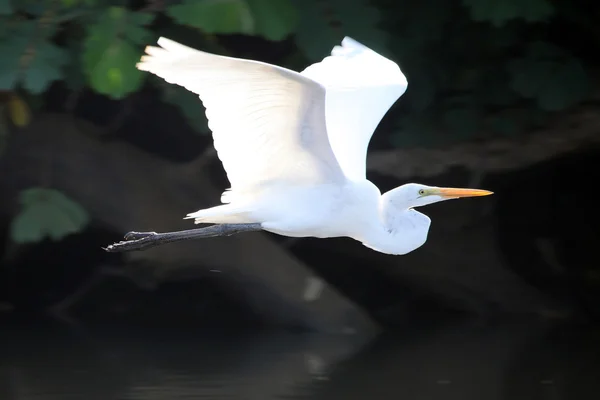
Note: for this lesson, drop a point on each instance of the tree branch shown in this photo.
(565, 133)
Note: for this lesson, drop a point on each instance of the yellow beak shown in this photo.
(453, 193)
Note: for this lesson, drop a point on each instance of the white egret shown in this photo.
(294, 148)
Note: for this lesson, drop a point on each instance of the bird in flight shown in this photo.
(294, 147)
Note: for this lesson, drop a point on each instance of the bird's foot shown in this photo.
(138, 235)
(134, 241)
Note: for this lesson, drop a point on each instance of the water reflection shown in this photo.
(463, 362)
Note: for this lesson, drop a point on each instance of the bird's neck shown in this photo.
(399, 231)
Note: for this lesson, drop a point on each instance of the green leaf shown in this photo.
(38, 9)
(33, 61)
(45, 67)
(109, 54)
(554, 79)
(215, 16)
(115, 74)
(360, 19)
(134, 30)
(6, 7)
(315, 36)
(12, 48)
(323, 25)
(141, 18)
(46, 213)
(136, 34)
(69, 3)
(499, 12)
(274, 19)
(189, 105)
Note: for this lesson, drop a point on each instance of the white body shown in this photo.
(294, 144)
(353, 209)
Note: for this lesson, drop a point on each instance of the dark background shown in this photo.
(502, 95)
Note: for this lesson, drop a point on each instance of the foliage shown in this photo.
(188, 105)
(29, 57)
(5, 7)
(46, 213)
(482, 67)
(272, 19)
(110, 53)
(554, 79)
(324, 23)
(499, 12)
(475, 67)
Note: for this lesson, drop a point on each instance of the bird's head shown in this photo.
(417, 195)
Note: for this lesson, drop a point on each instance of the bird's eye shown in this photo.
(422, 192)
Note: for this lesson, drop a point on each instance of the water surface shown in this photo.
(38, 362)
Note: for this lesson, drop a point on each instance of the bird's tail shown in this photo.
(223, 214)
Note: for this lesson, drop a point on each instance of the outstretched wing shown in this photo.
(268, 123)
(361, 87)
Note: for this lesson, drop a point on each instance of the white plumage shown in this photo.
(361, 87)
(294, 145)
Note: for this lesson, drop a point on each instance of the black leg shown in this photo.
(145, 240)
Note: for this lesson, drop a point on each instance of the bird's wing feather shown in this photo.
(361, 87)
(268, 123)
